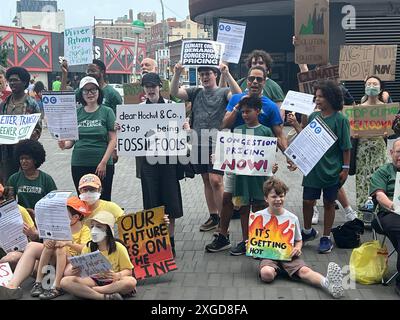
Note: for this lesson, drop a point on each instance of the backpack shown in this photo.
(348, 235)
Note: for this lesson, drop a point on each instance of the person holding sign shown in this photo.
(111, 285)
(331, 171)
(97, 138)
(275, 192)
(385, 188)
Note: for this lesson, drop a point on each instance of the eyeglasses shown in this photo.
(258, 79)
(91, 91)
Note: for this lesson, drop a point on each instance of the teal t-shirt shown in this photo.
(29, 192)
(93, 136)
(271, 90)
(326, 173)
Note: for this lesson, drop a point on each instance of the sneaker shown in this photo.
(239, 250)
(336, 206)
(351, 215)
(37, 290)
(325, 245)
(113, 296)
(210, 224)
(309, 237)
(219, 243)
(315, 216)
(335, 280)
(236, 214)
(10, 294)
(51, 294)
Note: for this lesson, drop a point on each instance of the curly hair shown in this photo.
(331, 92)
(33, 149)
(265, 56)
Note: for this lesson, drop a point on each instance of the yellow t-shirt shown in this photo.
(119, 259)
(26, 216)
(81, 237)
(109, 207)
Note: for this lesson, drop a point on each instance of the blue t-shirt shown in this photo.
(269, 116)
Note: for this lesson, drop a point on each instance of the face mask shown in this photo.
(98, 235)
(372, 91)
(90, 197)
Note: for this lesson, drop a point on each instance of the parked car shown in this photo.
(118, 87)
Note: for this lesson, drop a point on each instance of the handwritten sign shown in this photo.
(245, 154)
(371, 121)
(201, 53)
(14, 128)
(5, 274)
(308, 79)
(91, 263)
(78, 45)
(359, 62)
(147, 238)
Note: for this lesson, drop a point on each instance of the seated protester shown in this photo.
(112, 284)
(33, 253)
(59, 251)
(30, 184)
(382, 188)
(30, 231)
(274, 193)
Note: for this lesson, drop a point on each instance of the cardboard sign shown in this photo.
(270, 237)
(371, 121)
(247, 155)
(134, 94)
(147, 238)
(91, 263)
(78, 45)
(359, 62)
(14, 128)
(201, 53)
(5, 274)
(231, 33)
(308, 79)
(312, 31)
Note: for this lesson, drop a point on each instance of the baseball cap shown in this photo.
(87, 80)
(90, 180)
(151, 78)
(103, 217)
(78, 205)
(213, 69)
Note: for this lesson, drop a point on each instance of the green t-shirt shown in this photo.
(326, 173)
(111, 97)
(29, 192)
(384, 179)
(56, 86)
(271, 90)
(251, 187)
(93, 136)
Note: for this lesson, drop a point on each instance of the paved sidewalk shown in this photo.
(217, 276)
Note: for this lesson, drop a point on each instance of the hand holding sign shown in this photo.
(178, 69)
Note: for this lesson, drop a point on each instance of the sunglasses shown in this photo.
(258, 79)
(92, 91)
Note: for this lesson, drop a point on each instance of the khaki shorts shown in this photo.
(291, 267)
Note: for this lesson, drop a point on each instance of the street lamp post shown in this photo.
(138, 28)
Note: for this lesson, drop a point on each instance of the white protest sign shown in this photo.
(5, 274)
(12, 237)
(299, 102)
(91, 263)
(151, 130)
(247, 155)
(60, 110)
(231, 33)
(52, 217)
(78, 45)
(14, 128)
(310, 145)
(396, 196)
(200, 53)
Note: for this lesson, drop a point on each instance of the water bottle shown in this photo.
(368, 213)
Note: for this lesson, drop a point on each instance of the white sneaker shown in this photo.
(350, 216)
(315, 217)
(335, 279)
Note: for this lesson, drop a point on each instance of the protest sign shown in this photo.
(247, 155)
(396, 195)
(78, 45)
(147, 238)
(357, 62)
(308, 79)
(299, 102)
(134, 94)
(200, 53)
(312, 31)
(5, 274)
(310, 145)
(14, 128)
(151, 130)
(52, 217)
(90, 263)
(231, 33)
(271, 237)
(60, 111)
(371, 121)
(12, 237)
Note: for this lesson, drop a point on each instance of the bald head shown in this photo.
(395, 153)
(148, 65)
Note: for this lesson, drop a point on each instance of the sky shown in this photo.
(81, 12)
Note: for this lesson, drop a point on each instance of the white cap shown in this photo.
(87, 80)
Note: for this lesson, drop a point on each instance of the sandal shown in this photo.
(51, 294)
(37, 290)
